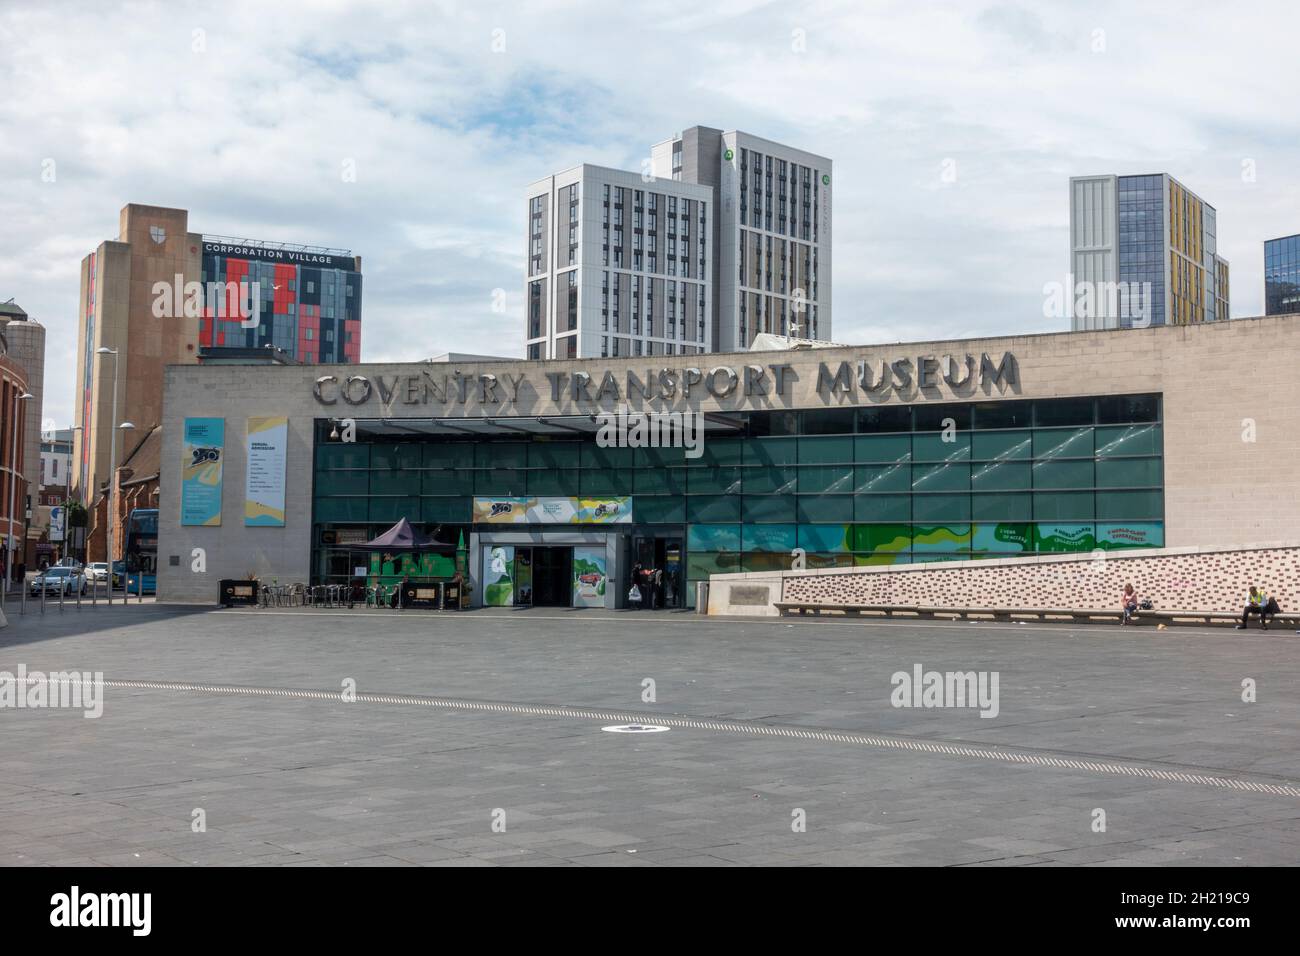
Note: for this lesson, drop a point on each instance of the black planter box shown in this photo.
(238, 593)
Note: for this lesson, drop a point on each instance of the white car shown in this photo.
(59, 580)
(97, 571)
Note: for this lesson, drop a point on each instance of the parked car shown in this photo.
(70, 563)
(98, 572)
(59, 580)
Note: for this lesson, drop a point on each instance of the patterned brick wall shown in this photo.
(1204, 581)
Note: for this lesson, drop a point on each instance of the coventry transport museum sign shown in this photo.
(924, 373)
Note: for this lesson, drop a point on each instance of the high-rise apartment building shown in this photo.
(617, 264)
(159, 292)
(1146, 249)
(771, 232)
(1282, 276)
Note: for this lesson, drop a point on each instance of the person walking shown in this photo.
(1128, 602)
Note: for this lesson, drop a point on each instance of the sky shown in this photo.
(953, 128)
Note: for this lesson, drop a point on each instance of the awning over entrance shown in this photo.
(502, 426)
(403, 537)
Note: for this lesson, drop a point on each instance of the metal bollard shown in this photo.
(94, 591)
(139, 589)
(79, 590)
(42, 597)
(63, 592)
(24, 599)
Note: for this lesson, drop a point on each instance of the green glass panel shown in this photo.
(1068, 537)
(593, 456)
(1063, 442)
(721, 451)
(1002, 446)
(770, 508)
(763, 480)
(700, 564)
(449, 455)
(501, 454)
(713, 537)
(1063, 474)
(882, 508)
(342, 509)
(394, 509)
(713, 481)
(760, 561)
(1003, 537)
(659, 481)
(605, 481)
(500, 482)
(1002, 506)
(1064, 506)
(562, 482)
(455, 510)
(1001, 476)
(937, 508)
(932, 447)
(395, 482)
(877, 479)
(882, 449)
(771, 451)
(813, 508)
(396, 456)
(953, 477)
(827, 450)
(824, 537)
(342, 455)
(1132, 534)
(712, 509)
(555, 454)
(342, 483)
(1128, 440)
(1128, 472)
(880, 557)
(882, 537)
(444, 481)
(770, 537)
(659, 509)
(939, 538)
(1129, 505)
(658, 457)
(825, 479)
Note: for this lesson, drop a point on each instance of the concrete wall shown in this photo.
(1231, 432)
(1181, 579)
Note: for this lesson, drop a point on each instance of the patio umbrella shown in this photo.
(403, 537)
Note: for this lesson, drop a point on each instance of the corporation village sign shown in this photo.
(878, 380)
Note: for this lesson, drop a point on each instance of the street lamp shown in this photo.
(13, 471)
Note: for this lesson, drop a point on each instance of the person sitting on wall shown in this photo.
(1128, 602)
(1270, 608)
(1256, 603)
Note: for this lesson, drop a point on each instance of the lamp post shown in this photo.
(112, 463)
(13, 470)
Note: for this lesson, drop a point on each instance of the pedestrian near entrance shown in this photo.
(1256, 603)
(634, 592)
(1128, 603)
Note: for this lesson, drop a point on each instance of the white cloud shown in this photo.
(249, 135)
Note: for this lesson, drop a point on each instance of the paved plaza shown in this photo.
(476, 740)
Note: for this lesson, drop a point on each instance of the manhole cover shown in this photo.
(635, 729)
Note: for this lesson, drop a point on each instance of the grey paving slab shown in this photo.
(288, 781)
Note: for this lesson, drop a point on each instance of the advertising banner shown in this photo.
(1132, 534)
(264, 484)
(499, 576)
(589, 576)
(616, 510)
(203, 449)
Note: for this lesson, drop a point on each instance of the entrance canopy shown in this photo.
(403, 537)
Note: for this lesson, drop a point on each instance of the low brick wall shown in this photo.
(1173, 578)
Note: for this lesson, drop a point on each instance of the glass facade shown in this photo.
(889, 484)
(1282, 276)
(1142, 240)
(311, 312)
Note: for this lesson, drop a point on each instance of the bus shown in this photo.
(141, 550)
